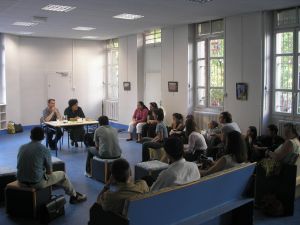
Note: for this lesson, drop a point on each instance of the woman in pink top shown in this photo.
(139, 119)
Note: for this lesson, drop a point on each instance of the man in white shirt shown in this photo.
(225, 119)
(180, 171)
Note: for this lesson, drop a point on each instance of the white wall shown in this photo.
(30, 63)
(244, 63)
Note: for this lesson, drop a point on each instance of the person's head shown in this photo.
(190, 116)
(174, 148)
(73, 103)
(252, 132)
(190, 126)
(103, 120)
(141, 105)
(37, 134)
(272, 130)
(153, 105)
(51, 103)
(158, 114)
(213, 124)
(225, 117)
(120, 170)
(235, 145)
(177, 118)
(289, 131)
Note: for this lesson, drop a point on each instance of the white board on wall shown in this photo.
(60, 88)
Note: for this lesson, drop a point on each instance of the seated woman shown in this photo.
(236, 153)
(289, 151)
(148, 129)
(74, 112)
(196, 142)
(139, 119)
(251, 142)
(161, 133)
(177, 126)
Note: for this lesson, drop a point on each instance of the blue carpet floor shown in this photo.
(75, 164)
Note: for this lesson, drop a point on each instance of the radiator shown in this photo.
(281, 124)
(111, 109)
(203, 118)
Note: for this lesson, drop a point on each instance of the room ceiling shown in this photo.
(99, 14)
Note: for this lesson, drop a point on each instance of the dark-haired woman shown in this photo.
(148, 129)
(289, 151)
(196, 142)
(251, 142)
(74, 112)
(139, 119)
(235, 154)
(177, 126)
(161, 133)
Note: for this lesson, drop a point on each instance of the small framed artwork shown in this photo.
(173, 86)
(241, 91)
(126, 86)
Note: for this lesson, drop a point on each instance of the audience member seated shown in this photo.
(177, 126)
(251, 140)
(196, 142)
(74, 112)
(139, 119)
(120, 188)
(180, 171)
(235, 153)
(34, 168)
(148, 129)
(161, 134)
(51, 113)
(211, 135)
(228, 125)
(270, 141)
(106, 144)
(289, 151)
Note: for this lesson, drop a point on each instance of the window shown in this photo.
(287, 62)
(112, 75)
(210, 64)
(153, 37)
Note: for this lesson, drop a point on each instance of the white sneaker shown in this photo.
(87, 174)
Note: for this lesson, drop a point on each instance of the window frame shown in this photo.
(207, 38)
(295, 90)
(155, 42)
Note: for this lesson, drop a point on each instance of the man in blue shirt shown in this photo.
(35, 167)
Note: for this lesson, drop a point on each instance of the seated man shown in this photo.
(51, 113)
(106, 144)
(120, 187)
(34, 167)
(180, 171)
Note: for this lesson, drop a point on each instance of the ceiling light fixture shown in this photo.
(25, 24)
(200, 1)
(127, 16)
(58, 8)
(90, 37)
(25, 33)
(84, 28)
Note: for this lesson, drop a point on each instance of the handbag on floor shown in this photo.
(53, 209)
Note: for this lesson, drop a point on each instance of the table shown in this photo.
(65, 124)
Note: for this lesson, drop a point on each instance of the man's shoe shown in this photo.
(87, 174)
(129, 139)
(72, 143)
(78, 198)
(76, 144)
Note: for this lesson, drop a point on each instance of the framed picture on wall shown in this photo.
(173, 86)
(241, 91)
(127, 86)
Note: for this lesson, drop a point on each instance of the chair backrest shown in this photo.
(170, 205)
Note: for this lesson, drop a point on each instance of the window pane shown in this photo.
(283, 102)
(216, 73)
(216, 48)
(204, 28)
(299, 36)
(284, 42)
(201, 49)
(216, 97)
(115, 57)
(201, 73)
(286, 17)
(298, 103)
(284, 72)
(299, 72)
(201, 96)
(217, 26)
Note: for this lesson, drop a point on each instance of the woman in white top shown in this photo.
(236, 153)
(289, 151)
(196, 142)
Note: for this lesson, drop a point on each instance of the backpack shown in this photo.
(18, 128)
(11, 127)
